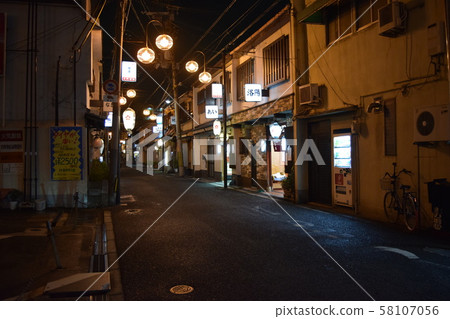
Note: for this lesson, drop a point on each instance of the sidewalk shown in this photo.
(28, 261)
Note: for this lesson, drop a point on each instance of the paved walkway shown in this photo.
(28, 260)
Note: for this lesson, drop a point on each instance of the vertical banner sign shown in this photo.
(129, 72)
(65, 150)
(11, 152)
(2, 43)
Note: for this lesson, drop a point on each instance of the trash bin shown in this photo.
(439, 197)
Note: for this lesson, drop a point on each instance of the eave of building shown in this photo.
(274, 24)
(314, 13)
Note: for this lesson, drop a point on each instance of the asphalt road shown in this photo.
(230, 245)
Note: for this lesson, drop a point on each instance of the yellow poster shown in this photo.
(65, 150)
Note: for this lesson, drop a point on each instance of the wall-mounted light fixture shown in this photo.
(377, 105)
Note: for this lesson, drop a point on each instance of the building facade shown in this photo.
(48, 84)
(377, 67)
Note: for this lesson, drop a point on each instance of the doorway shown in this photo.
(319, 176)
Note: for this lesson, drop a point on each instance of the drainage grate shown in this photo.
(181, 289)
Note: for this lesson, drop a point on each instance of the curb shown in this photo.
(116, 293)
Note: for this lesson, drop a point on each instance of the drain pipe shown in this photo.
(299, 53)
(447, 40)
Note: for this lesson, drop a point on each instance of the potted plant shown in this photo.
(288, 185)
(14, 197)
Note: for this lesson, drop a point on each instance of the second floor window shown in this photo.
(276, 61)
(371, 15)
(343, 13)
(245, 74)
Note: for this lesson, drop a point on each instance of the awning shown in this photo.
(349, 109)
(314, 13)
(94, 121)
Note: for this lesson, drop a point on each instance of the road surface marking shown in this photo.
(402, 252)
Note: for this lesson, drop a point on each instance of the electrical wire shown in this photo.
(209, 30)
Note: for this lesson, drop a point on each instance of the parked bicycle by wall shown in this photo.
(398, 202)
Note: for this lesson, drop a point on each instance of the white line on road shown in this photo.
(402, 252)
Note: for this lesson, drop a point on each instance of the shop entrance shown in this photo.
(319, 176)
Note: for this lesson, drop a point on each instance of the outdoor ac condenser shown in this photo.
(309, 94)
(391, 19)
(432, 124)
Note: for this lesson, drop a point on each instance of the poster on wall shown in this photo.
(11, 152)
(66, 160)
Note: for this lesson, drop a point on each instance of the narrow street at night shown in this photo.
(231, 245)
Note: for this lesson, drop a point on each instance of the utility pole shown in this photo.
(177, 119)
(224, 121)
(114, 187)
(299, 50)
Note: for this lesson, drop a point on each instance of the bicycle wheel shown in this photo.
(411, 213)
(390, 208)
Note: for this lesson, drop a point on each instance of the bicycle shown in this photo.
(396, 204)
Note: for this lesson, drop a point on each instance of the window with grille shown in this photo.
(245, 74)
(390, 128)
(276, 62)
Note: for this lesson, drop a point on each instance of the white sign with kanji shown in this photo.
(211, 111)
(129, 72)
(253, 92)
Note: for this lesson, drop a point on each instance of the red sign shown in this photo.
(11, 135)
(339, 179)
(2, 42)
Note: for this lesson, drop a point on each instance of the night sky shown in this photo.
(191, 20)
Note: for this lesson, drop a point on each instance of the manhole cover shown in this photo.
(133, 211)
(181, 289)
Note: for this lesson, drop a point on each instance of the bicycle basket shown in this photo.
(386, 183)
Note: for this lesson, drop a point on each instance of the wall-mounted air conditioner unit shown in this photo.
(432, 124)
(309, 94)
(392, 19)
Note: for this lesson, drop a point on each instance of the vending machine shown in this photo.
(342, 162)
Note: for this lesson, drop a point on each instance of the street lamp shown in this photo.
(131, 93)
(192, 66)
(146, 112)
(123, 100)
(164, 42)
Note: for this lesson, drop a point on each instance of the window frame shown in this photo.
(276, 62)
(245, 73)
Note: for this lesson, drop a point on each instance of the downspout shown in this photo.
(299, 56)
(447, 40)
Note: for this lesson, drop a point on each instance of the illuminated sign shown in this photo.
(216, 90)
(211, 111)
(253, 92)
(129, 71)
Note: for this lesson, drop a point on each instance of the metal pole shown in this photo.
(224, 119)
(74, 87)
(51, 234)
(114, 189)
(57, 92)
(177, 119)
